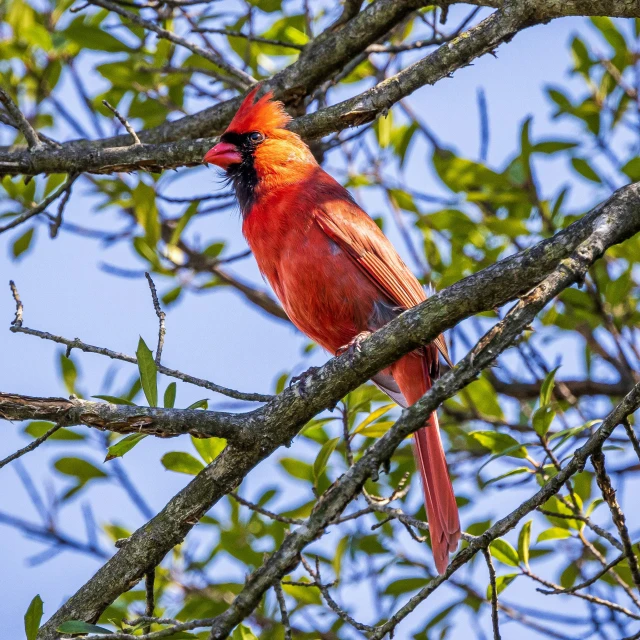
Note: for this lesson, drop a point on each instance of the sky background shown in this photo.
(217, 336)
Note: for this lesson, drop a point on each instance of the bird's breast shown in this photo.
(324, 293)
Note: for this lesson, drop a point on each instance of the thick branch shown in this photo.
(280, 420)
(119, 418)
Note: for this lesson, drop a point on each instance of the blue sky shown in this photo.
(217, 336)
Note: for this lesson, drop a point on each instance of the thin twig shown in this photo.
(114, 355)
(29, 133)
(149, 583)
(124, 122)
(161, 317)
(277, 587)
(31, 446)
(588, 582)
(251, 38)
(333, 605)
(494, 594)
(264, 512)
(617, 515)
(17, 320)
(42, 206)
(54, 227)
(632, 436)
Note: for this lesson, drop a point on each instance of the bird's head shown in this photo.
(257, 149)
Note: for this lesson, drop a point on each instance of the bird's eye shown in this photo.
(256, 136)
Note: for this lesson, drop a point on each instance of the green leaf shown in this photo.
(304, 595)
(555, 533)
(553, 146)
(170, 395)
(632, 169)
(547, 387)
(181, 462)
(542, 419)
(524, 542)
(209, 448)
(199, 404)
(148, 373)
(69, 373)
(499, 443)
(373, 416)
(116, 400)
(38, 428)
(502, 582)
(22, 243)
(243, 633)
(79, 468)
(121, 447)
(585, 170)
(404, 585)
(79, 626)
(32, 618)
(93, 37)
(501, 550)
(512, 472)
(323, 457)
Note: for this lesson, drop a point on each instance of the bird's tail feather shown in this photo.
(412, 376)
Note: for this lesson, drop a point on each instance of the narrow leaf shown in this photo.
(170, 396)
(182, 462)
(524, 541)
(323, 457)
(32, 618)
(148, 373)
(80, 626)
(121, 447)
(501, 550)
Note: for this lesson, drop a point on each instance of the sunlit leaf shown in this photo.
(181, 462)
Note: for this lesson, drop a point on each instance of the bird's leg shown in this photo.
(354, 344)
(302, 379)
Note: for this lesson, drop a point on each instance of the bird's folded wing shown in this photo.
(361, 239)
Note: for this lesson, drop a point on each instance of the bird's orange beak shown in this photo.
(223, 154)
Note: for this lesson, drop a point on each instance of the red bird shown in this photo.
(335, 273)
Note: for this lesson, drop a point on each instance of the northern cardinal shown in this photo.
(336, 274)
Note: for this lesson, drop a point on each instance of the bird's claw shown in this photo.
(302, 379)
(353, 346)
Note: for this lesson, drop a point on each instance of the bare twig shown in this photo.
(114, 355)
(494, 594)
(42, 206)
(265, 512)
(29, 133)
(31, 446)
(149, 583)
(284, 615)
(250, 38)
(333, 605)
(609, 495)
(57, 221)
(632, 436)
(161, 317)
(123, 122)
(17, 320)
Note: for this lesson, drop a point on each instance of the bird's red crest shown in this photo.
(264, 114)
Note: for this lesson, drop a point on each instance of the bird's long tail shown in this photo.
(411, 374)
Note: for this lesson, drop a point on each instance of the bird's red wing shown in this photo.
(361, 239)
